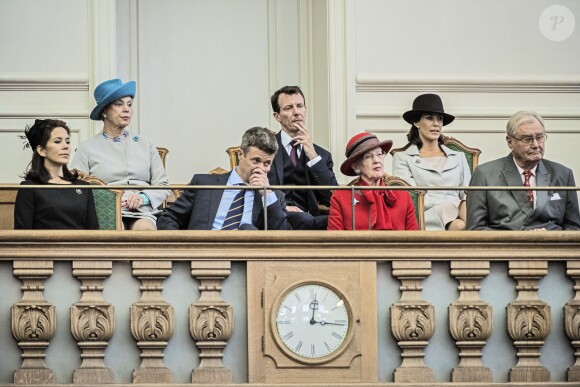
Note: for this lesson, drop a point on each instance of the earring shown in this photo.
(357, 171)
(104, 115)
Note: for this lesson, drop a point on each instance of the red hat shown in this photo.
(358, 146)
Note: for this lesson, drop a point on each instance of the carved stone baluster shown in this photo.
(92, 322)
(412, 321)
(211, 322)
(33, 322)
(572, 320)
(152, 322)
(528, 321)
(470, 321)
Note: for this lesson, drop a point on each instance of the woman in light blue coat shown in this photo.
(429, 163)
(119, 158)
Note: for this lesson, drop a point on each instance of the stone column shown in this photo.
(152, 322)
(412, 322)
(92, 322)
(211, 322)
(470, 321)
(528, 321)
(33, 322)
(572, 319)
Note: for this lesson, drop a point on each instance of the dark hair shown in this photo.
(38, 135)
(413, 135)
(262, 138)
(285, 90)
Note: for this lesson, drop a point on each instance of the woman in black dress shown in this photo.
(64, 209)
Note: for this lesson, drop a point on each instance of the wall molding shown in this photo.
(497, 113)
(472, 83)
(39, 111)
(44, 82)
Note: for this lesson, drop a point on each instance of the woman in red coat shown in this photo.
(373, 209)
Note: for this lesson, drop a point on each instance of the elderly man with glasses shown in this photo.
(524, 166)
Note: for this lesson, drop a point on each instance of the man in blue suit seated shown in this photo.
(524, 166)
(232, 209)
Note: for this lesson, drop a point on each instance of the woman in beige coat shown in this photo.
(429, 163)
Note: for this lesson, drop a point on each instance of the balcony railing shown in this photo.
(87, 307)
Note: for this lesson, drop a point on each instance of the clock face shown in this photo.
(312, 321)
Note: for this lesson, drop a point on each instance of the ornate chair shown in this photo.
(233, 155)
(471, 154)
(417, 195)
(107, 203)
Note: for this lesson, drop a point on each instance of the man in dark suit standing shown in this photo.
(524, 166)
(232, 209)
(300, 162)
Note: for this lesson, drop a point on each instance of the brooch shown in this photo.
(79, 191)
(136, 138)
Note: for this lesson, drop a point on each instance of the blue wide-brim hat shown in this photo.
(110, 91)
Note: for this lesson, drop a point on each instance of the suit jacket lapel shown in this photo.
(542, 180)
(279, 161)
(512, 177)
(215, 197)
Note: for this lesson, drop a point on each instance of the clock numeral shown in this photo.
(284, 306)
(327, 347)
(298, 346)
(288, 335)
(325, 296)
(283, 321)
(312, 350)
(312, 294)
(298, 297)
(341, 322)
(336, 335)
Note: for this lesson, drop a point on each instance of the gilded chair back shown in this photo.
(417, 196)
(107, 203)
(233, 154)
(471, 154)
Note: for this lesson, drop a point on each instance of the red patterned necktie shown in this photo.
(294, 154)
(527, 175)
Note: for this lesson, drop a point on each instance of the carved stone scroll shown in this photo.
(572, 320)
(211, 322)
(412, 322)
(92, 322)
(152, 322)
(470, 321)
(33, 322)
(528, 321)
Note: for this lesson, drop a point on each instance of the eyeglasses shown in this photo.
(370, 156)
(529, 140)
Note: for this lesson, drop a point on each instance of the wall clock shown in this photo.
(312, 322)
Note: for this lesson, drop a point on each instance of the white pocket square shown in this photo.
(555, 196)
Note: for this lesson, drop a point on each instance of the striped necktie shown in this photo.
(527, 175)
(234, 215)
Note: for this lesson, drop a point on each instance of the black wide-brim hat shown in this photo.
(427, 103)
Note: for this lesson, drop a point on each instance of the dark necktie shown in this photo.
(294, 154)
(527, 175)
(234, 215)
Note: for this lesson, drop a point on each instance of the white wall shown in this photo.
(487, 60)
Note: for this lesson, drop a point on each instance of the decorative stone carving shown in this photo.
(152, 322)
(572, 320)
(470, 322)
(33, 322)
(412, 322)
(528, 321)
(211, 322)
(92, 321)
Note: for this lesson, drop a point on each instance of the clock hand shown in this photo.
(322, 322)
(313, 306)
